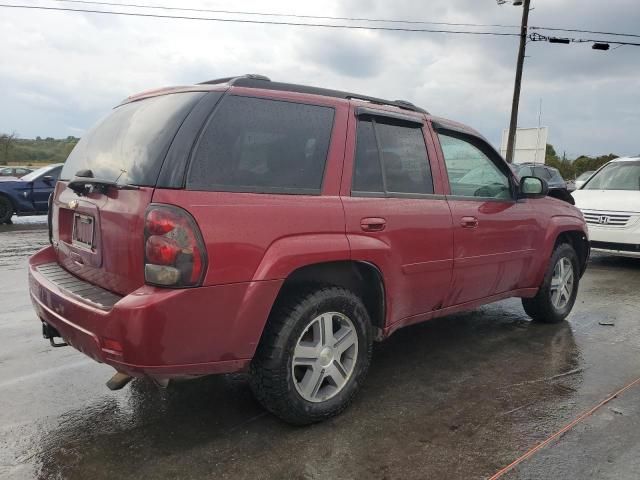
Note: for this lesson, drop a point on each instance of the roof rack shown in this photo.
(260, 81)
(232, 80)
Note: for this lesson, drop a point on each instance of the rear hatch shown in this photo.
(99, 233)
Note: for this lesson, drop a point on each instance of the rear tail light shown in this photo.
(50, 218)
(174, 252)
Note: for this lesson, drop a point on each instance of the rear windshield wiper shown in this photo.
(84, 183)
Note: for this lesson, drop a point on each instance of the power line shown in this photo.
(536, 37)
(261, 22)
(575, 30)
(271, 14)
(533, 37)
(351, 19)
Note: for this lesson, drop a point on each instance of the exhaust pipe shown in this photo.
(118, 381)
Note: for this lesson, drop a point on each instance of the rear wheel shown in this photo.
(313, 355)
(6, 210)
(559, 289)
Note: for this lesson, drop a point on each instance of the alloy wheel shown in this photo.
(324, 357)
(562, 283)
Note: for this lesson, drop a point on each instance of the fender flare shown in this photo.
(287, 254)
(558, 225)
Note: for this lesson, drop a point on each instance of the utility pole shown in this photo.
(513, 124)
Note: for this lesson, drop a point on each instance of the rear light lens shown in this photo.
(174, 252)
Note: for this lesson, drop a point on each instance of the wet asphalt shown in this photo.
(454, 398)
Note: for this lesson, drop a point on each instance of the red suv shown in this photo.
(249, 225)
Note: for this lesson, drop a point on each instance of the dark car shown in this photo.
(279, 229)
(16, 172)
(549, 174)
(28, 195)
(558, 187)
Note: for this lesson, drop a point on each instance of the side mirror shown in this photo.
(533, 187)
(48, 179)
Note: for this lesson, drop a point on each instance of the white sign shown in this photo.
(531, 144)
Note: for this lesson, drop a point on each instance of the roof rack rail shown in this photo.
(258, 81)
(409, 105)
(379, 101)
(232, 80)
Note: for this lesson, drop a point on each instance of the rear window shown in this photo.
(129, 145)
(541, 172)
(402, 154)
(259, 145)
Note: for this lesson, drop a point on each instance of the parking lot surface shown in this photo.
(455, 398)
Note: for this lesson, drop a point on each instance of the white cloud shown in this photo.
(61, 71)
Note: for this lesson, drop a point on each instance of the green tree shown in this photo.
(585, 163)
(7, 140)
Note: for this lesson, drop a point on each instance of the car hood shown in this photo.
(609, 200)
(9, 179)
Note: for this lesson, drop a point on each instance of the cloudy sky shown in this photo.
(61, 71)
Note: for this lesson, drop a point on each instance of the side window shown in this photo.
(260, 145)
(400, 164)
(471, 172)
(21, 171)
(367, 176)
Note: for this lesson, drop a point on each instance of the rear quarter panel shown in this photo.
(262, 236)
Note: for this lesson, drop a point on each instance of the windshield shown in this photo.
(585, 176)
(30, 177)
(129, 145)
(616, 176)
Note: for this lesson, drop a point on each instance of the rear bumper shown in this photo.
(159, 332)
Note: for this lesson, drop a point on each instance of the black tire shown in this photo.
(272, 374)
(541, 308)
(6, 210)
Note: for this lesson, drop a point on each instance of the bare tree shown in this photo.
(7, 141)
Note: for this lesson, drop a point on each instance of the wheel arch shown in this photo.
(362, 278)
(565, 229)
(580, 243)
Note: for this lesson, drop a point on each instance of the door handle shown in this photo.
(373, 224)
(469, 222)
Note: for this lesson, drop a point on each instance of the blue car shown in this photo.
(28, 195)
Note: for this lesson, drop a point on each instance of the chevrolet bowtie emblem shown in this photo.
(73, 204)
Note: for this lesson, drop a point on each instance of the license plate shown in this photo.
(82, 235)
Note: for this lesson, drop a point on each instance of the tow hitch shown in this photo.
(50, 333)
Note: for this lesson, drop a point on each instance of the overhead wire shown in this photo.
(575, 30)
(538, 37)
(326, 17)
(261, 22)
(291, 15)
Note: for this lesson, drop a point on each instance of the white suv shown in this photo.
(610, 202)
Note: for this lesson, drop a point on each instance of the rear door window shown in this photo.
(129, 145)
(391, 158)
(260, 145)
(542, 172)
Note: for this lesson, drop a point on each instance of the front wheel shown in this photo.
(6, 210)
(559, 289)
(313, 355)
